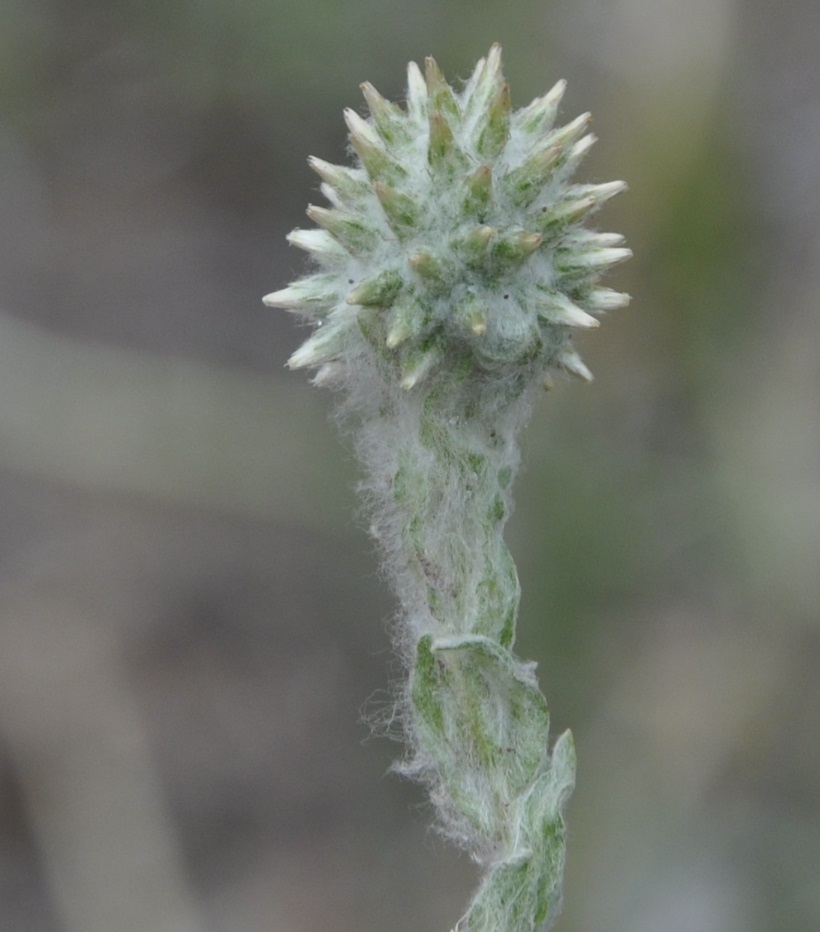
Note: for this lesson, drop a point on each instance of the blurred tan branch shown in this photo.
(88, 777)
(173, 429)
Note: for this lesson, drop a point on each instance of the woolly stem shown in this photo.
(441, 464)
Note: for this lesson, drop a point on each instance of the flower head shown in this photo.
(457, 240)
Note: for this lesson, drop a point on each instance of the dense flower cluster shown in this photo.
(457, 238)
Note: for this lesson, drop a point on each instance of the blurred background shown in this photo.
(191, 617)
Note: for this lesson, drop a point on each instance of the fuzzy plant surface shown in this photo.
(451, 269)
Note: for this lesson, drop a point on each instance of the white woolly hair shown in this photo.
(452, 268)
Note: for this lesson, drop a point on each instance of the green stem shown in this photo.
(477, 723)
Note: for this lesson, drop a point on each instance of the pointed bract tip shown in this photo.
(417, 368)
(374, 100)
(606, 299)
(318, 242)
(379, 291)
(359, 126)
(427, 265)
(416, 92)
(301, 358)
(572, 363)
(529, 242)
(433, 75)
(557, 91)
(277, 298)
(603, 192)
(494, 57)
(324, 216)
(328, 375)
(394, 338)
(557, 308)
(580, 149)
(611, 256)
(302, 295)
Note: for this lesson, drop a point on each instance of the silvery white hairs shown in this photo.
(451, 269)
